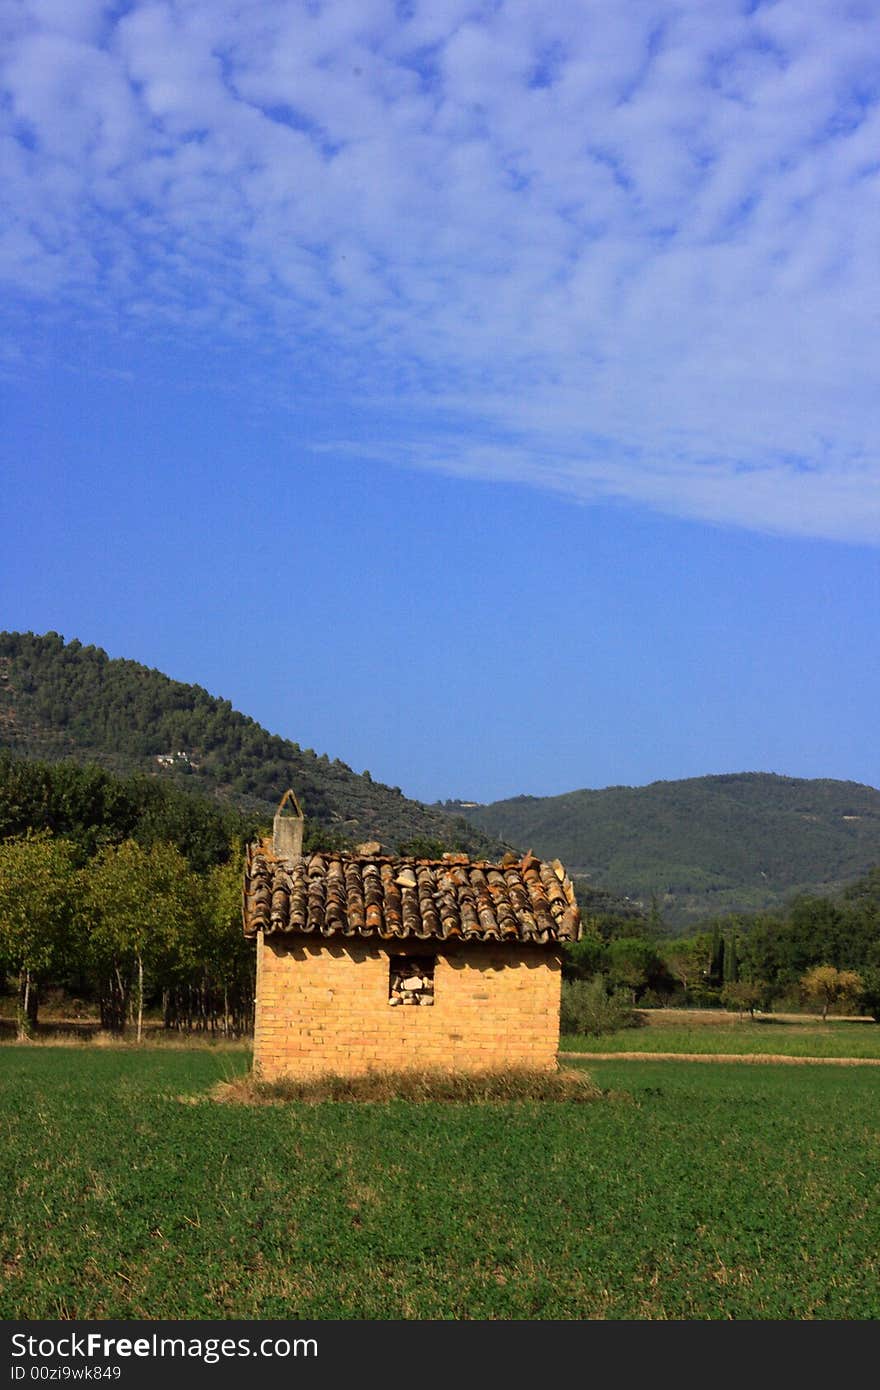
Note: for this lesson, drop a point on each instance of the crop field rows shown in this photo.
(685, 1192)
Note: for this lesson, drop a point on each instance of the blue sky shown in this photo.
(485, 394)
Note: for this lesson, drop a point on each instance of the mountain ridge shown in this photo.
(696, 846)
(690, 847)
(64, 700)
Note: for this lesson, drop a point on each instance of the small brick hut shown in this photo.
(369, 961)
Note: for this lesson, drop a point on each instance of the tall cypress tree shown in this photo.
(731, 960)
(716, 957)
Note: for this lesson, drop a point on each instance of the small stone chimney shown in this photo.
(287, 829)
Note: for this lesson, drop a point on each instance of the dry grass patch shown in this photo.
(90, 1039)
(774, 1058)
(412, 1085)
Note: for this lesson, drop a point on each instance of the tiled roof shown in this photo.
(342, 895)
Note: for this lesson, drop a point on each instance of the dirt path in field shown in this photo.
(747, 1057)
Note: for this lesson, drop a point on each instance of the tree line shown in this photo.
(92, 808)
(824, 950)
(129, 928)
(125, 892)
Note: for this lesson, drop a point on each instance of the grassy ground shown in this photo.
(700, 1192)
(793, 1036)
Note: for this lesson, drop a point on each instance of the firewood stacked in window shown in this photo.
(411, 981)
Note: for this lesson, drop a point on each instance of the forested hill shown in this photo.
(62, 701)
(705, 845)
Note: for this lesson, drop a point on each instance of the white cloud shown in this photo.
(632, 247)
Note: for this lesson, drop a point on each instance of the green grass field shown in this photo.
(693, 1192)
(813, 1039)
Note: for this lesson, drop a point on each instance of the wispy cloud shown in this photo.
(632, 249)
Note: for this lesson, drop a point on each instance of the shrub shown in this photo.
(653, 999)
(588, 1007)
(745, 995)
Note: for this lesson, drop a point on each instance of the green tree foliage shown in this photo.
(744, 995)
(37, 915)
(865, 893)
(687, 959)
(870, 995)
(635, 966)
(211, 986)
(730, 968)
(582, 960)
(605, 915)
(844, 932)
(138, 902)
(715, 973)
(588, 1007)
(92, 808)
(421, 847)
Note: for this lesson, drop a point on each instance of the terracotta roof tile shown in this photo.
(388, 897)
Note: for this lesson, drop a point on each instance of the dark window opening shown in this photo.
(411, 980)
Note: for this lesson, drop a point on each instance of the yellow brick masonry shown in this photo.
(323, 1007)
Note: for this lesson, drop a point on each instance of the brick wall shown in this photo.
(323, 1007)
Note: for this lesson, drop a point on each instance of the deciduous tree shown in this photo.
(37, 914)
(744, 994)
(634, 964)
(136, 900)
(827, 985)
(687, 959)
